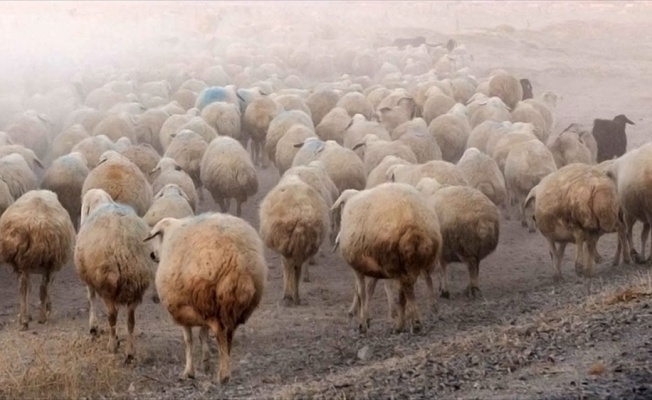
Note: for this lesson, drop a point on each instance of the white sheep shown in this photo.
(36, 237)
(66, 177)
(577, 204)
(113, 262)
(64, 142)
(228, 173)
(122, 180)
(280, 125)
(211, 273)
(333, 125)
(144, 156)
(224, 118)
(15, 171)
(257, 117)
(168, 171)
(377, 149)
(187, 149)
(293, 223)
(492, 109)
(407, 246)
(444, 172)
(321, 102)
(470, 228)
(525, 112)
(355, 103)
(451, 131)
(481, 172)
(507, 88)
(92, 148)
(574, 145)
(525, 166)
(169, 202)
(419, 140)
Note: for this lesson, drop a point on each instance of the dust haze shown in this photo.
(525, 337)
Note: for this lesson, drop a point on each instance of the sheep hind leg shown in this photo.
(589, 256)
(131, 323)
(473, 290)
(443, 281)
(44, 295)
(645, 232)
(238, 209)
(432, 299)
(399, 322)
(205, 351)
(189, 370)
(290, 289)
(112, 311)
(556, 255)
(364, 303)
(224, 338)
(24, 301)
(412, 310)
(298, 266)
(92, 318)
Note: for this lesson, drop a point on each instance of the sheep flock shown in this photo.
(354, 155)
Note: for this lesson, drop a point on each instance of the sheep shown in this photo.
(507, 87)
(527, 113)
(378, 175)
(15, 171)
(92, 148)
(113, 262)
(630, 172)
(423, 144)
(333, 125)
(444, 172)
(526, 85)
(215, 280)
(286, 149)
(168, 171)
(359, 128)
(171, 127)
(610, 137)
(470, 228)
(224, 118)
(292, 102)
(87, 117)
(144, 156)
(320, 103)
(293, 223)
(116, 126)
(377, 149)
(482, 173)
(502, 147)
(451, 131)
(545, 104)
(343, 166)
(568, 147)
(66, 177)
(122, 180)
(463, 89)
(228, 172)
(493, 109)
(199, 126)
(187, 149)
(64, 142)
(170, 202)
(526, 164)
(407, 246)
(29, 155)
(36, 237)
(436, 105)
(575, 204)
(257, 117)
(212, 94)
(32, 130)
(185, 98)
(355, 103)
(6, 199)
(402, 112)
(280, 125)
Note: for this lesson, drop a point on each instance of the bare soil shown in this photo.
(526, 337)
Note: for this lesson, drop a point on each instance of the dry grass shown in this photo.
(60, 366)
(597, 368)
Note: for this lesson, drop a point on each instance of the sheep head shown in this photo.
(91, 201)
(157, 234)
(622, 120)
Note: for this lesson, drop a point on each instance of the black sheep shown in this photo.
(610, 137)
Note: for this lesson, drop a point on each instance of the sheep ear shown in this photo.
(349, 125)
(337, 243)
(178, 168)
(298, 145)
(155, 170)
(357, 146)
(152, 235)
(184, 195)
(392, 178)
(38, 162)
(240, 98)
(628, 121)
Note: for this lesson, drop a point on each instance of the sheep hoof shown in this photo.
(187, 375)
(445, 294)
(94, 331)
(224, 379)
(42, 320)
(23, 326)
(206, 366)
(524, 224)
(473, 292)
(579, 269)
(416, 326)
(306, 278)
(129, 359)
(288, 302)
(557, 278)
(362, 328)
(532, 230)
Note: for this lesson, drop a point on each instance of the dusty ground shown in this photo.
(526, 338)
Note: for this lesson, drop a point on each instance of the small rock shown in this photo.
(364, 353)
(132, 388)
